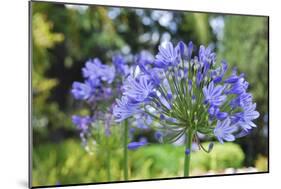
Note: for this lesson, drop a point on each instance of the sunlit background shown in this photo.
(65, 36)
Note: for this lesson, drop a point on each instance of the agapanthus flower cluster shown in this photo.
(184, 92)
(100, 88)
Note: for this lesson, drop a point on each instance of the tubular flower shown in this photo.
(139, 88)
(120, 65)
(167, 56)
(81, 91)
(125, 108)
(224, 130)
(94, 70)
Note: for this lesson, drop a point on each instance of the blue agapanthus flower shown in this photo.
(214, 94)
(81, 91)
(139, 88)
(95, 70)
(82, 123)
(120, 65)
(184, 93)
(247, 116)
(97, 84)
(125, 108)
(224, 130)
(102, 84)
(142, 121)
(144, 58)
(167, 56)
(98, 90)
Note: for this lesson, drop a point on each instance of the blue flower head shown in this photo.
(182, 91)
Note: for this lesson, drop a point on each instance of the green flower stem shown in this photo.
(125, 148)
(187, 157)
(108, 154)
(108, 165)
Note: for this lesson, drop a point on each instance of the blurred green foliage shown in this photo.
(245, 45)
(68, 163)
(261, 163)
(248, 51)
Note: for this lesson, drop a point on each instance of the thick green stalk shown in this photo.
(108, 154)
(108, 165)
(125, 148)
(187, 157)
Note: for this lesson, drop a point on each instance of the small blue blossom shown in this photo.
(199, 78)
(247, 117)
(187, 151)
(120, 65)
(242, 100)
(167, 56)
(158, 135)
(189, 50)
(94, 70)
(243, 133)
(156, 75)
(164, 102)
(214, 94)
(238, 87)
(82, 123)
(215, 112)
(136, 145)
(144, 58)
(139, 88)
(234, 77)
(125, 108)
(182, 48)
(81, 91)
(206, 55)
(218, 74)
(224, 130)
(143, 120)
(185, 50)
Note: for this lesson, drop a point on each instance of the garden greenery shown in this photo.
(177, 93)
